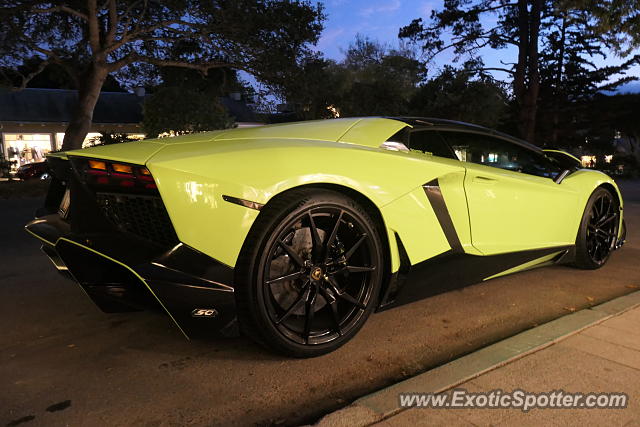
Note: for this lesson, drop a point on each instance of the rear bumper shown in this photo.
(120, 273)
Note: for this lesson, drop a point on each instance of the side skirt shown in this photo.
(453, 270)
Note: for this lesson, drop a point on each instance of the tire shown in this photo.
(598, 233)
(304, 294)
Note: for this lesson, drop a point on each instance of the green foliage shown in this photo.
(569, 79)
(616, 21)
(180, 110)
(255, 35)
(605, 116)
(92, 40)
(454, 94)
(110, 138)
(53, 76)
(382, 80)
(550, 80)
(371, 80)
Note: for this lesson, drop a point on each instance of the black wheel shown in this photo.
(309, 273)
(598, 232)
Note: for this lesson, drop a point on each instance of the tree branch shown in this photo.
(26, 79)
(494, 8)
(202, 67)
(52, 57)
(486, 35)
(506, 70)
(113, 22)
(94, 30)
(66, 9)
(138, 34)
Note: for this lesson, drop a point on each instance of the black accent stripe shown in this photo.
(449, 271)
(434, 194)
(246, 203)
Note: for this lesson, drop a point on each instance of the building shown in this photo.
(33, 121)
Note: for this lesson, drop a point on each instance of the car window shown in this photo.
(430, 142)
(499, 153)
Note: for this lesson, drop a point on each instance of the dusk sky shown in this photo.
(381, 19)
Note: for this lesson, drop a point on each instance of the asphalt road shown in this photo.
(63, 362)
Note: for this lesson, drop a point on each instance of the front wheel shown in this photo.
(598, 233)
(309, 273)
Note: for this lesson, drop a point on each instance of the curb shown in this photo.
(383, 404)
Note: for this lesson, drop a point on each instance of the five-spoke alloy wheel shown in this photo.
(314, 271)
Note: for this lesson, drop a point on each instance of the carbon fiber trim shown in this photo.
(449, 271)
(434, 194)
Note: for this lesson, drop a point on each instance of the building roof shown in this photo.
(239, 110)
(56, 105)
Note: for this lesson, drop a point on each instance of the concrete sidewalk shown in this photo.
(593, 350)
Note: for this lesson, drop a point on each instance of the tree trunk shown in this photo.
(558, 82)
(88, 94)
(519, 85)
(529, 108)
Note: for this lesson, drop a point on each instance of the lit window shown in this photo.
(588, 161)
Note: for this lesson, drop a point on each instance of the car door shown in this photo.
(513, 202)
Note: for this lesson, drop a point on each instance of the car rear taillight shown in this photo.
(107, 175)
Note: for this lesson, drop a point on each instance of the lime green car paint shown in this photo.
(511, 211)
(403, 214)
(257, 170)
(453, 191)
(493, 210)
(57, 154)
(137, 152)
(361, 132)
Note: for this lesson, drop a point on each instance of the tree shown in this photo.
(517, 24)
(180, 110)
(372, 79)
(609, 116)
(91, 41)
(569, 78)
(315, 86)
(187, 101)
(617, 21)
(466, 26)
(381, 80)
(458, 95)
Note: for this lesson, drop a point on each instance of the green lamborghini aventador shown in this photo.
(293, 234)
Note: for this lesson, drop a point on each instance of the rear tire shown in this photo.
(309, 273)
(598, 233)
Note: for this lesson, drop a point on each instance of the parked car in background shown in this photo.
(38, 170)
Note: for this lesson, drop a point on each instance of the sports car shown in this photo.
(293, 234)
